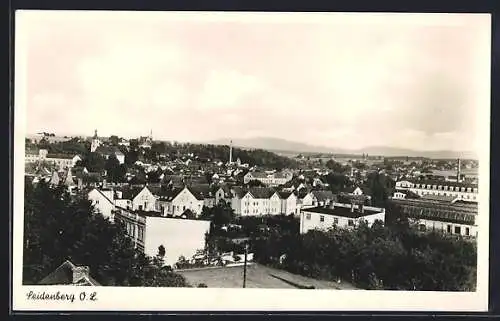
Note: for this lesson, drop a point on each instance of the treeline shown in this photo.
(59, 228)
(72, 146)
(376, 257)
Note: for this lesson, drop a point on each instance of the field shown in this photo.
(258, 276)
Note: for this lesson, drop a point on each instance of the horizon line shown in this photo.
(211, 142)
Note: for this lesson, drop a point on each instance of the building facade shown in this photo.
(179, 237)
(340, 215)
(256, 201)
(464, 191)
(450, 217)
(274, 179)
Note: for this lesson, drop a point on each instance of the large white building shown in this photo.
(256, 201)
(177, 201)
(445, 214)
(179, 237)
(464, 191)
(340, 215)
(274, 179)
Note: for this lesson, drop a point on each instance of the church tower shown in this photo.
(95, 142)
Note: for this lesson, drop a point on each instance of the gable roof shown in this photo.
(60, 156)
(285, 195)
(201, 191)
(64, 275)
(130, 193)
(261, 192)
(103, 195)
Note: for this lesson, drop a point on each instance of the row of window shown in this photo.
(441, 187)
(449, 229)
(335, 219)
(466, 196)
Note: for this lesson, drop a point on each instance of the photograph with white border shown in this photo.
(245, 161)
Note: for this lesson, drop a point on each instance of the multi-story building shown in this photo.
(103, 201)
(274, 179)
(464, 191)
(340, 215)
(256, 201)
(62, 161)
(288, 203)
(150, 230)
(177, 201)
(447, 214)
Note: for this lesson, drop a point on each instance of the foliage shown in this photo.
(219, 215)
(72, 146)
(59, 228)
(115, 171)
(336, 167)
(94, 162)
(396, 257)
(381, 187)
(114, 140)
(337, 182)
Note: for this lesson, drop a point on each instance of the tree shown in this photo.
(115, 171)
(114, 140)
(59, 227)
(368, 256)
(338, 182)
(131, 156)
(94, 162)
(219, 215)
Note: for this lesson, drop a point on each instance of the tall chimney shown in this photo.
(458, 170)
(352, 207)
(80, 272)
(361, 208)
(231, 152)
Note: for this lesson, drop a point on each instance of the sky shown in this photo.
(337, 80)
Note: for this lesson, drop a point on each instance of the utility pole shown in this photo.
(245, 266)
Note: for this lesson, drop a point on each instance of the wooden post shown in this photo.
(245, 266)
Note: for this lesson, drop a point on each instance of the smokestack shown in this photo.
(361, 208)
(458, 170)
(231, 152)
(331, 206)
(352, 207)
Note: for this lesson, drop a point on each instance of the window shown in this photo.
(308, 216)
(350, 223)
(140, 207)
(321, 218)
(448, 228)
(467, 231)
(335, 220)
(422, 227)
(458, 230)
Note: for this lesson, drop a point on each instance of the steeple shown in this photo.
(95, 142)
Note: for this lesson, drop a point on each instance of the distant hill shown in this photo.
(277, 144)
